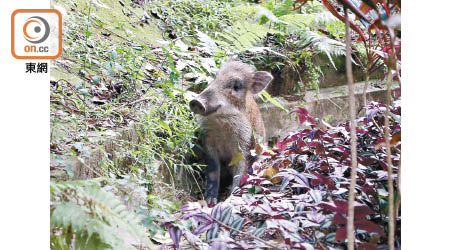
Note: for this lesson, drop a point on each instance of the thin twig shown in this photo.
(389, 162)
(88, 167)
(318, 241)
(397, 202)
(376, 125)
(73, 89)
(84, 63)
(351, 91)
(132, 103)
(86, 34)
(364, 94)
(398, 75)
(335, 104)
(72, 109)
(181, 37)
(392, 65)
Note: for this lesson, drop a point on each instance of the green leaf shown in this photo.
(237, 224)
(95, 79)
(255, 190)
(260, 230)
(226, 215)
(265, 96)
(216, 212)
(213, 232)
(83, 91)
(114, 54)
(166, 127)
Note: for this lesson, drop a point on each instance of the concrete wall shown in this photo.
(331, 101)
(287, 77)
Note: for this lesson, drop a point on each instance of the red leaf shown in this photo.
(303, 116)
(300, 144)
(328, 206)
(319, 148)
(341, 233)
(362, 211)
(341, 206)
(322, 179)
(369, 190)
(368, 226)
(244, 179)
(281, 145)
(302, 111)
(367, 246)
(339, 219)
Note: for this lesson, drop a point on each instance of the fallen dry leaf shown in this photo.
(396, 138)
(270, 173)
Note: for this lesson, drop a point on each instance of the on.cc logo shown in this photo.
(39, 29)
(36, 34)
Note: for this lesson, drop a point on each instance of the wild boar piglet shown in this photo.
(229, 116)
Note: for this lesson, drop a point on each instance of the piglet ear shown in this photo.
(260, 81)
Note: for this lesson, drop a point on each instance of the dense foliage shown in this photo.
(304, 206)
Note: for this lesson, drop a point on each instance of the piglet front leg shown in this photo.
(212, 181)
(239, 170)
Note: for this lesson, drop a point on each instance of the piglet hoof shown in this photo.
(211, 202)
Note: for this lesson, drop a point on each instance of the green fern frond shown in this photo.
(322, 44)
(244, 11)
(243, 35)
(94, 216)
(321, 20)
(263, 12)
(206, 42)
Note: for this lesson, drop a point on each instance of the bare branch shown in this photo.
(351, 91)
(397, 202)
(364, 94)
(132, 103)
(389, 162)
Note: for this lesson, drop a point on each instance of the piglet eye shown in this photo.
(238, 86)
